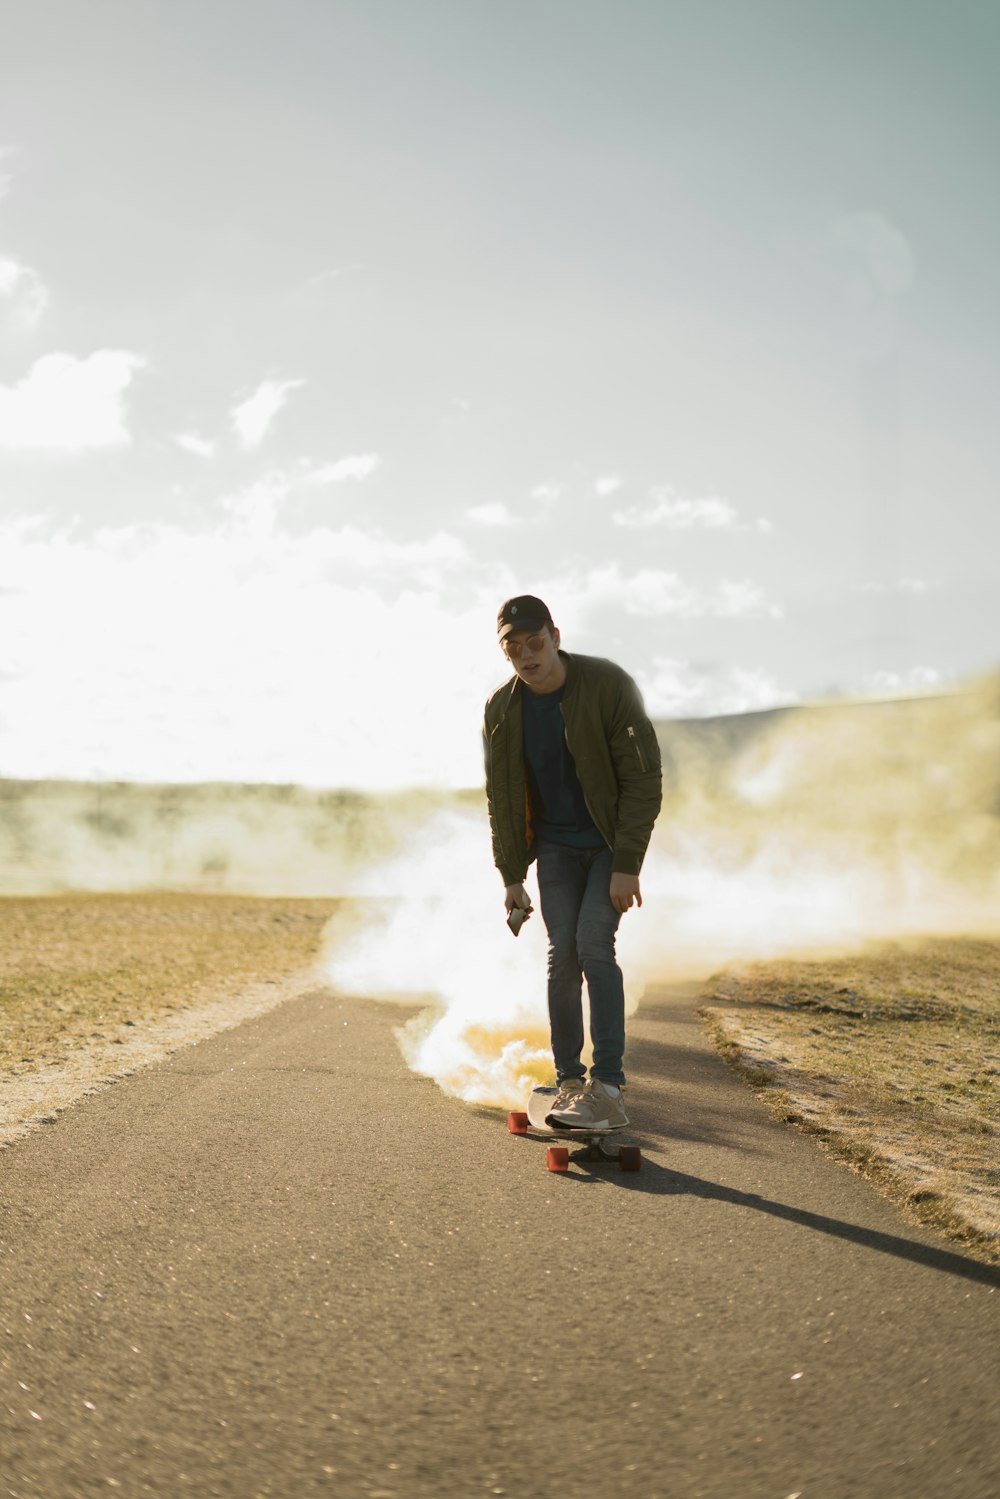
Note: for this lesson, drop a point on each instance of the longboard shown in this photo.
(590, 1143)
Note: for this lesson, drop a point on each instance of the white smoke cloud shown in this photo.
(817, 831)
(439, 934)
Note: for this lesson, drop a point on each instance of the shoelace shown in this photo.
(566, 1096)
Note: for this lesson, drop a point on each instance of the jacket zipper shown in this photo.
(638, 747)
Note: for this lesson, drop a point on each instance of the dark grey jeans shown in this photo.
(573, 886)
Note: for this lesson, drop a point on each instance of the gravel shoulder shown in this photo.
(891, 1056)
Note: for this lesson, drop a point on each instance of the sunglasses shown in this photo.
(515, 649)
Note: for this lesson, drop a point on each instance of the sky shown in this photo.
(325, 326)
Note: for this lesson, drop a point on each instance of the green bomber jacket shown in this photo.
(617, 759)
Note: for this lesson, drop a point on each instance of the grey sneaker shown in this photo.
(593, 1108)
(570, 1089)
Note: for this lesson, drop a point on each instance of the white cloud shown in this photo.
(25, 293)
(546, 493)
(202, 447)
(426, 562)
(5, 177)
(256, 507)
(254, 510)
(675, 689)
(249, 654)
(253, 417)
(333, 273)
(915, 586)
(67, 404)
(491, 515)
(607, 484)
(742, 599)
(253, 520)
(356, 466)
(673, 512)
(902, 683)
(652, 592)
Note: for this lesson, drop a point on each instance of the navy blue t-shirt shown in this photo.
(558, 806)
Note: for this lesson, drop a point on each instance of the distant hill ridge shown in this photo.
(926, 765)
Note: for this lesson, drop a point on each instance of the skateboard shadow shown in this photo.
(660, 1181)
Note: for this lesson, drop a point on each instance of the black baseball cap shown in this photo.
(524, 612)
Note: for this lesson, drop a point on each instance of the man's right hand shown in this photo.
(517, 898)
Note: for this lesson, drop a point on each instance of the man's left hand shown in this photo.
(625, 890)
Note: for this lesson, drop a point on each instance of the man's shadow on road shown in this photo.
(662, 1181)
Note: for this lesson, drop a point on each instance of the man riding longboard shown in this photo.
(574, 784)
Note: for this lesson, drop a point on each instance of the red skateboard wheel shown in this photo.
(630, 1158)
(557, 1158)
(517, 1123)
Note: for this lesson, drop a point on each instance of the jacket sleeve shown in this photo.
(635, 752)
(509, 875)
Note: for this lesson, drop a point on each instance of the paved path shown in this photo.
(280, 1264)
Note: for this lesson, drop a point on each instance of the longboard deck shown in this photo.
(589, 1145)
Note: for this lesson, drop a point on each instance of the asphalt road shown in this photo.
(280, 1264)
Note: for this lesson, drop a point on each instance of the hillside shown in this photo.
(910, 784)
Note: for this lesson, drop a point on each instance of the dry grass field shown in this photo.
(76, 968)
(891, 1055)
(93, 987)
